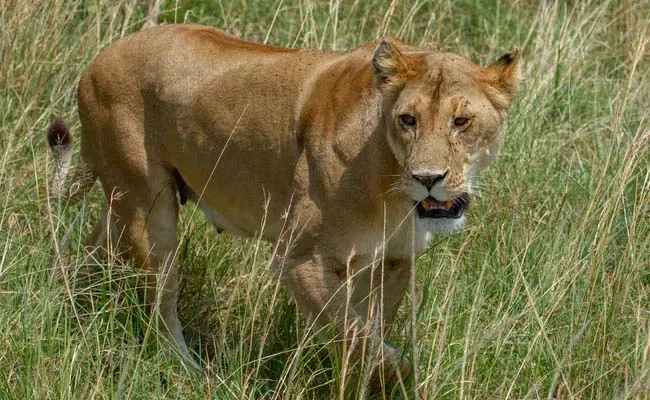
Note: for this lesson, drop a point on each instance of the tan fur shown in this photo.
(310, 141)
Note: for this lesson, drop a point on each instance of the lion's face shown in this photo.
(444, 118)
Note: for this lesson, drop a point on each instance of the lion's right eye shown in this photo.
(407, 120)
(460, 121)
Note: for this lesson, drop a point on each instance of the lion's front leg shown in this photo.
(379, 287)
(316, 283)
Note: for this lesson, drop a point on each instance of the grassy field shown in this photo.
(546, 293)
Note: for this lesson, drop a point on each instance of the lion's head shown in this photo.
(444, 117)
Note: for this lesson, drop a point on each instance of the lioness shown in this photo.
(350, 161)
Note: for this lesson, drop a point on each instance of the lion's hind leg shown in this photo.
(144, 210)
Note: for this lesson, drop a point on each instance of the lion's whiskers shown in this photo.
(397, 187)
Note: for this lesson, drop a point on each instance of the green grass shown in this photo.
(546, 294)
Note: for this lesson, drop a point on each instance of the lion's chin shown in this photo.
(440, 226)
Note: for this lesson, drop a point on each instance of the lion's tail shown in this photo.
(60, 140)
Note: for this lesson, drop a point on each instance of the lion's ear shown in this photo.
(504, 76)
(389, 65)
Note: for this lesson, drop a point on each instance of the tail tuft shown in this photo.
(58, 134)
(60, 140)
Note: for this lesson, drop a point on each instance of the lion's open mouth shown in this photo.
(432, 208)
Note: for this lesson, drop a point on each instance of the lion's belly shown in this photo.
(237, 195)
(244, 180)
(231, 223)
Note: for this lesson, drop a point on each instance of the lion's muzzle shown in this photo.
(433, 208)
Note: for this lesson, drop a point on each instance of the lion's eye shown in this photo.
(460, 121)
(407, 120)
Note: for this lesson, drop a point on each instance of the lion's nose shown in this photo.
(430, 180)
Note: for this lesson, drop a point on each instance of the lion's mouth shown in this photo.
(432, 208)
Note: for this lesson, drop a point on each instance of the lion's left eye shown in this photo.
(460, 121)
(407, 120)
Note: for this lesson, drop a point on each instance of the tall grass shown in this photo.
(546, 294)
